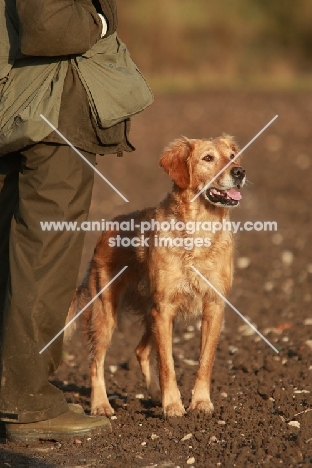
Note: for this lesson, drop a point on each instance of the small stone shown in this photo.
(263, 390)
(113, 417)
(187, 437)
(190, 461)
(270, 364)
(213, 440)
(268, 286)
(272, 330)
(223, 394)
(309, 343)
(190, 362)
(154, 436)
(243, 262)
(233, 349)
(277, 239)
(307, 321)
(294, 424)
(77, 441)
(44, 449)
(188, 336)
(303, 161)
(190, 328)
(287, 257)
(143, 444)
(113, 369)
(221, 423)
(284, 326)
(139, 396)
(246, 330)
(301, 391)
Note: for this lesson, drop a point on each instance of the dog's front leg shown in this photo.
(170, 395)
(211, 326)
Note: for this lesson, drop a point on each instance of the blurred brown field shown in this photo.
(200, 44)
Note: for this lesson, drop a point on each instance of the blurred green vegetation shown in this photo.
(191, 44)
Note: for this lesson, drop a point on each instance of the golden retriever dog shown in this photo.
(160, 282)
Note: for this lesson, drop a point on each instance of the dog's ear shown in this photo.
(175, 161)
(230, 142)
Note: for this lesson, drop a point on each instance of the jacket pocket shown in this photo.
(32, 89)
(115, 87)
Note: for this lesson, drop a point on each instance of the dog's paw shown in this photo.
(102, 410)
(174, 409)
(204, 406)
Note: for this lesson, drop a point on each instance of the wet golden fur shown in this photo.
(160, 283)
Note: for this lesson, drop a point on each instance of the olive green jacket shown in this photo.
(37, 41)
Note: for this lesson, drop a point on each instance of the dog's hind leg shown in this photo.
(100, 329)
(146, 355)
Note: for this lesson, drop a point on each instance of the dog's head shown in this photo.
(195, 164)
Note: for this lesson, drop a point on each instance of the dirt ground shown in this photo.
(263, 412)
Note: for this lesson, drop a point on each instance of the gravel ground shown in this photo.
(263, 413)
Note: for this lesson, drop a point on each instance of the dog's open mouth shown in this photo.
(228, 197)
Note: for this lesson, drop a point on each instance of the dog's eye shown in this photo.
(232, 156)
(208, 158)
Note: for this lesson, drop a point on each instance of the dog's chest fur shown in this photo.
(173, 281)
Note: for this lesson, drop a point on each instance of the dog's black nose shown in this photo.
(238, 172)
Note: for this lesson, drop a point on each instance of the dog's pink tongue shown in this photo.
(234, 194)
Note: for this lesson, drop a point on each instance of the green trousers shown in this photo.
(38, 272)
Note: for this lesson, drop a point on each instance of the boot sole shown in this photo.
(35, 435)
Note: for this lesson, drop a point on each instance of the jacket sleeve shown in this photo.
(57, 27)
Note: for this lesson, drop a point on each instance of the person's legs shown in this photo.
(54, 184)
(9, 169)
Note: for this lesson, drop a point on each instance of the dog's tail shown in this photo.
(79, 301)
